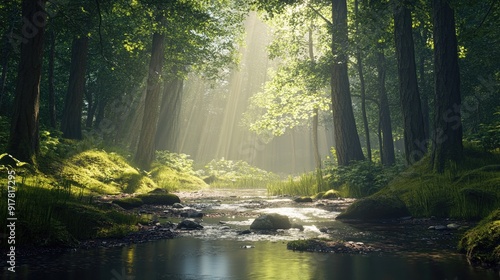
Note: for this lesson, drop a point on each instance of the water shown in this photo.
(219, 252)
(195, 258)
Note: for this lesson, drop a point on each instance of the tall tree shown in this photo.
(359, 66)
(415, 141)
(447, 142)
(168, 125)
(71, 123)
(347, 144)
(24, 135)
(387, 143)
(146, 147)
(51, 89)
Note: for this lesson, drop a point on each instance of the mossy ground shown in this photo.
(482, 243)
(56, 203)
(468, 190)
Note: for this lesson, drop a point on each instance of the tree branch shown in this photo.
(320, 15)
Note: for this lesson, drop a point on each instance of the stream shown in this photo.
(400, 250)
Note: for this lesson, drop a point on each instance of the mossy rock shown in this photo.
(375, 208)
(482, 243)
(331, 194)
(159, 199)
(129, 202)
(319, 195)
(271, 222)
(303, 199)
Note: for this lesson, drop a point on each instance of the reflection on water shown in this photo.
(192, 258)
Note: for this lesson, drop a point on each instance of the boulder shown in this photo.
(271, 222)
(191, 213)
(375, 208)
(189, 225)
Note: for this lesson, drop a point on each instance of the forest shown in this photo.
(355, 126)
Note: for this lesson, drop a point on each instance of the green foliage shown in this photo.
(487, 136)
(305, 185)
(360, 178)
(179, 162)
(482, 243)
(236, 174)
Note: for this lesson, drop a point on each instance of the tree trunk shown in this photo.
(386, 140)
(315, 123)
(447, 142)
(5, 55)
(415, 140)
(423, 80)
(168, 122)
(146, 147)
(51, 92)
(347, 145)
(24, 142)
(71, 123)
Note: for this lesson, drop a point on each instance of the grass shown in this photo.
(465, 191)
(50, 215)
(242, 183)
(305, 185)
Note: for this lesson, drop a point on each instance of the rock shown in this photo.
(159, 199)
(247, 246)
(297, 226)
(177, 205)
(440, 227)
(191, 214)
(225, 228)
(331, 194)
(158, 191)
(247, 231)
(271, 221)
(375, 208)
(453, 226)
(189, 225)
(323, 230)
(303, 199)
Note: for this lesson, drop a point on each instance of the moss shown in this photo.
(305, 245)
(331, 194)
(129, 202)
(106, 173)
(376, 207)
(464, 191)
(159, 199)
(482, 243)
(172, 180)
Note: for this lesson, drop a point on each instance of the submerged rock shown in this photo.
(191, 214)
(271, 222)
(189, 225)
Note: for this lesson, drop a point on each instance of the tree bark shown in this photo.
(71, 123)
(51, 92)
(168, 122)
(347, 144)
(24, 142)
(146, 146)
(386, 140)
(447, 141)
(359, 65)
(415, 140)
